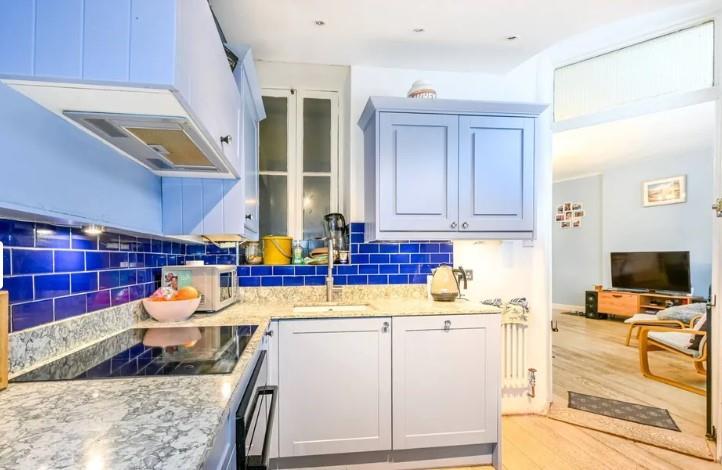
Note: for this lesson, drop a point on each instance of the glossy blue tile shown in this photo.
(292, 280)
(250, 281)
(378, 279)
(357, 227)
(356, 280)
(305, 270)
(446, 248)
(315, 280)
(283, 271)
(368, 268)
(355, 248)
(81, 241)
(439, 258)
(409, 268)
(243, 270)
(388, 268)
(156, 246)
(96, 260)
(226, 259)
(120, 296)
(15, 233)
(399, 259)
(31, 314)
(7, 266)
(409, 248)
(127, 277)
(340, 280)
(142, 276)
(426, 268)
(271, 281)
(388, 247)
(321, 270)
(261, 270)
(418, 258)
(369, 248)
(360, 259)
(20, 288)
(417, 279)
(137, 292)
(108, 279)
(119, 260)
(32, 261)
(167, 247)
(144, 245)
(357, 238)
(176, 248)
(83, 282)
(98, 300)
(429, 248)
(66, 307)
(379, 259)
(52, 285)
(195, 249)
(398, 279)
(67, 261)
(109, 241)
(347, 269)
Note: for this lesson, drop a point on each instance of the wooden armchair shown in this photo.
(641, 320)
(675, 340)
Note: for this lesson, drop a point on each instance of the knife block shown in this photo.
(4, 351)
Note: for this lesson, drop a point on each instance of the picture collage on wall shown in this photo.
(569, 215)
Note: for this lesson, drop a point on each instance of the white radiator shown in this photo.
(515, 373)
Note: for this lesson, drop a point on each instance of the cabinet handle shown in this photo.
(249, 216)
(453, 224)
(465, 225)
(447, 325)
(617, 296)
(269, 333)
(385, 327)
(226, 139)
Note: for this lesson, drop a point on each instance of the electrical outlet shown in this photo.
(469, 274)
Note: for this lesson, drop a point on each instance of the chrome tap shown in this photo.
(330, 288)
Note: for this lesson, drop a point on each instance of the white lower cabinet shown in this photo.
(334, 386)
(445, 380)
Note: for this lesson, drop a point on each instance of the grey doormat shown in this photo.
(641, 414)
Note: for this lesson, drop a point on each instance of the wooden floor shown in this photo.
(536, 442)
(590, 357)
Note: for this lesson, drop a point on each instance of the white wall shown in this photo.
(501, 269)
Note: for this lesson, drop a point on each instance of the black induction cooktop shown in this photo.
(152, 352)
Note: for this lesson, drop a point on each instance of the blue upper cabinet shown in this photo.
(418, 172)
(448, 169)
(149, 78)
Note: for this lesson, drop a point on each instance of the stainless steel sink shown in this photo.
(329, 308)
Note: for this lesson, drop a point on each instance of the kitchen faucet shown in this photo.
(330, 288)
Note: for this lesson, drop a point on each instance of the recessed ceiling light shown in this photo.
(319, 23)
(418, 30)
(93, 229)
(512, 38)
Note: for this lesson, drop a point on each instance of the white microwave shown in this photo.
(217, 283)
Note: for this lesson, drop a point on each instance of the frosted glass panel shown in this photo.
(274, 134)
(316, 204)
(316, 135)
(677, 62)
(273, 205)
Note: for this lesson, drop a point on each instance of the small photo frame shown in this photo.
(576, 223)
(578, 213)
(568, 215)
(567, 206)
(566, 224)
(664, 191)
(559, 218)
(560, 209)
(576, 206)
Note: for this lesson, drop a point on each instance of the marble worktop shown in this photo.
(163, 422)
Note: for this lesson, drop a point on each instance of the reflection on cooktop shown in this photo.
(151, 352)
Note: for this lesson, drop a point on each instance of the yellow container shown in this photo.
(277, 249)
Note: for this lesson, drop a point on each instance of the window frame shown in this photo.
(294, 157)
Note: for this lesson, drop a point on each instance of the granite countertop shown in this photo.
(152, 423)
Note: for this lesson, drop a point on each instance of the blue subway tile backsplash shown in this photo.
(54, 273)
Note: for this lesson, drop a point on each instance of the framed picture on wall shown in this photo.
(664, 191)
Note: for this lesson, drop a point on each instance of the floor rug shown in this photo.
(633, 412)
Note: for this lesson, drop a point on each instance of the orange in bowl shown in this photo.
(187, 293)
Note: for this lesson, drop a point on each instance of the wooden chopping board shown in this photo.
(4, 352)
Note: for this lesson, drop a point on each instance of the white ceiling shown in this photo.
(460, 35)
(593, 149)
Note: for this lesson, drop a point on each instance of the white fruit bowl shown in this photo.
(171, 310)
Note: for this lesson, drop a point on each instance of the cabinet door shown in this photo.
(334, 386)
(446, 380)
(496, 174)
(250, 158)
(417, 179)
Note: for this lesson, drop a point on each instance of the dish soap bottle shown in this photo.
(297, 252)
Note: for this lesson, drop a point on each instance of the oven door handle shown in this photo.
(260, 462)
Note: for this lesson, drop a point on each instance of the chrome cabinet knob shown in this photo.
(385, 327)
(249, 216)
(453, 224)
(465, 225)
(269, 333)
(447, 325)
(226, 139)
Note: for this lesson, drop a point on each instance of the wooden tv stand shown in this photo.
(626, 304)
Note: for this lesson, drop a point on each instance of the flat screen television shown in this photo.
(651, 270)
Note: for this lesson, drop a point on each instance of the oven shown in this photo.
(254, 419)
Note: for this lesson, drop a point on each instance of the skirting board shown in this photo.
(463, 456)
(568, 308)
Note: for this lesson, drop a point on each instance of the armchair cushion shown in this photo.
(675, 340)
(683, 313)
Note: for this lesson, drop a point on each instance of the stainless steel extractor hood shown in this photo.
(160, 143)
